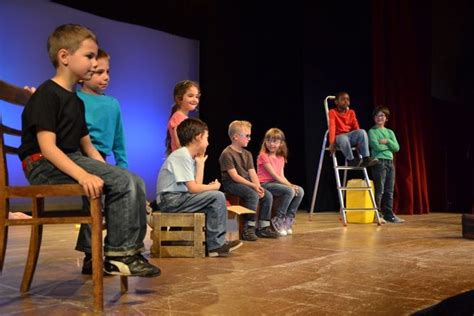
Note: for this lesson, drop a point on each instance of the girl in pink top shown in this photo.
(186, 97)
(270, 170)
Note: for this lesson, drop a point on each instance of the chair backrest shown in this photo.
(18, 96)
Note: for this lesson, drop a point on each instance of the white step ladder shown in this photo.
(342, 187)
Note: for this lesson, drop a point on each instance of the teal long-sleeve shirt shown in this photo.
(382, 151)
(104, 122)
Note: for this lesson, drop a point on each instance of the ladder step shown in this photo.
(360, 209)
(354, 188)
(349, 168)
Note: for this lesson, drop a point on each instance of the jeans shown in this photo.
(356, 138)
(212, 203)
(124, 207)
(250, 200)
(289, 202)
(383, 175)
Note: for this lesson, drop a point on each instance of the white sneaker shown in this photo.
(289, 231)
(279, 226)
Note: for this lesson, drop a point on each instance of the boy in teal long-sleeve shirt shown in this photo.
(383, 144)
(103, 116)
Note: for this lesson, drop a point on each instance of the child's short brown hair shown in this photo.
(188, 129)
(69, 37)
(383, 109)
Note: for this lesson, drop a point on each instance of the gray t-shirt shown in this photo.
(177, 169)
(241, 162)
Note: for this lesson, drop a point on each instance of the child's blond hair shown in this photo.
(69, 37)
(236, 126)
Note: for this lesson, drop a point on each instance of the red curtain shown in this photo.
(401, 65)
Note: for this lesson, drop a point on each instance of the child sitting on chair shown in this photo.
(180, 186)
(344, 132)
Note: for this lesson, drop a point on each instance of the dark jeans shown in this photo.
(250, 200)
(383, 175)
(289, 202)
(124, 207)
(212, 203)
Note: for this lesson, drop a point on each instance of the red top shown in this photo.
(341, 122)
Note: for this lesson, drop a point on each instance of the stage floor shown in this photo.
(323, 269)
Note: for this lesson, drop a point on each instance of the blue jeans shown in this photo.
(357, 138)
(124, 207)
(289, 202)
(383, 175)
(250, 200)
(212, 203)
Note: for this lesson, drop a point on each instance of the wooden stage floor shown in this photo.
(323, 269)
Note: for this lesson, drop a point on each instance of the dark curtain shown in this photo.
(401, 65)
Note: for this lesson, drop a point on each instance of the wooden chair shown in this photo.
(37, 193)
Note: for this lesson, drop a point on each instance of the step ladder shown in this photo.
(342, 187)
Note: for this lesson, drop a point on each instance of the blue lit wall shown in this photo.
(145, 65)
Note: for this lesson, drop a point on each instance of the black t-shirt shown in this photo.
(57, 110)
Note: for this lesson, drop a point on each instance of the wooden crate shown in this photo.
(188, 241)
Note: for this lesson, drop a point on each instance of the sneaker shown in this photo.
(248, 233)
(136, 265)
(368, 162)
(266, 232)
(226, 249)
(395, 219)
(354, 162)
(87, 266)
(289, 221)
(279, 225)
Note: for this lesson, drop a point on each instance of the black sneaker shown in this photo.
(369, 162)
(225, 249)
(135, 265)
(87, 266)
(248, 233)
(234, 244)
(266, 232)
(354, 162)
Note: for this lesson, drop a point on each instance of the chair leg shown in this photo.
(33, 253)
(3, 231)
(97, 257)
(123, 284)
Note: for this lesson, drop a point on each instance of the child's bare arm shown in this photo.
(47, 142)
(195, 187)
(174, 135)
(239, 179)
(278, 178)
(89, 149)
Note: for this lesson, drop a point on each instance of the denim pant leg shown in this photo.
(249, 198)
(360, 139)
(265, 211)
(387, 197)
(343, 143)
(212, 203)
(378, 176)
(295, 203)
(284, 192)
(124, 207)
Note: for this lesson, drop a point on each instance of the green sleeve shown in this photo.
(393, 143)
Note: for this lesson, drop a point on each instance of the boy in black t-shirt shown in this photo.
(54, 132)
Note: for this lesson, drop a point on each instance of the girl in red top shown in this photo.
(186, 97)
(270, 170)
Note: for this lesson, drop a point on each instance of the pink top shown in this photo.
(174, 121)
(277, 162)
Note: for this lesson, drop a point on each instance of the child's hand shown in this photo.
(260, 191)
(92, 185)
(216, 184)
(200, 158)
(383, 141)
(31, 90)
(296, 189)
(332, 148)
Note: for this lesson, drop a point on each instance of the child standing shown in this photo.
(239, 178)
(344, 132)
(270, 170)
(103, 116)
(55, 139)
(186, 96)
(180, 186)
(104, 123)
(383, 144)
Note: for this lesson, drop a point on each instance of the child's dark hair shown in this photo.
(383, 109)
(102, 54)
(275, 134)
(340, 93)
(69, 37)
(190, 128)
(179, 90)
